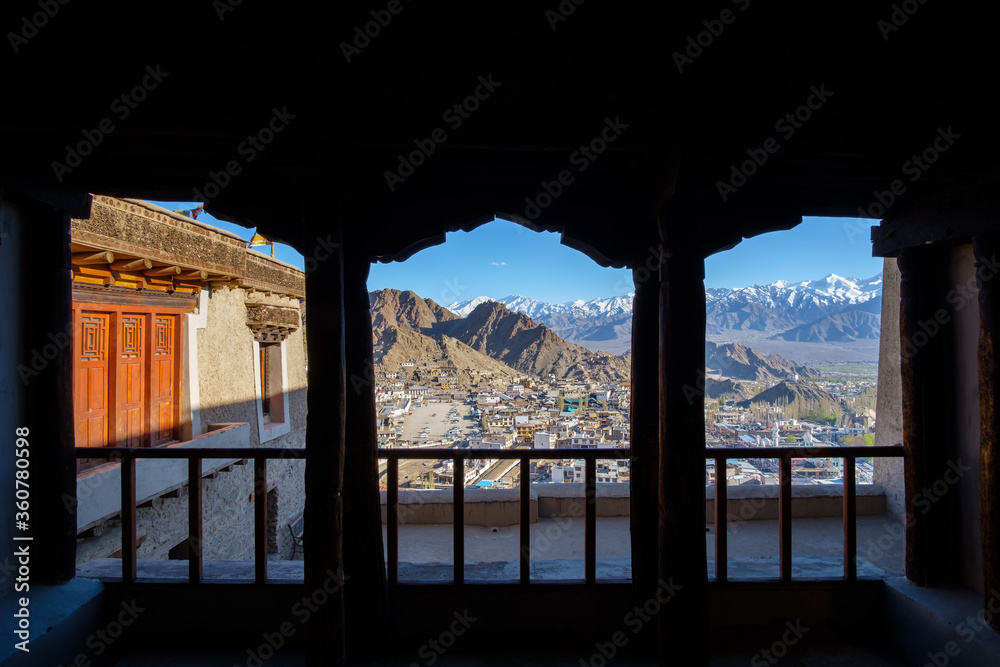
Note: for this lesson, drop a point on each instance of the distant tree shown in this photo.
(788, 438)
(821, 417)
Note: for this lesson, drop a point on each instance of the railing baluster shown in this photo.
(525, 520)
(129, 546)
(785, 516)
(721, 508)
(260, 519)
(850, 520)
(392, 518)
(195, 556)
(458, 503)
(590, 523)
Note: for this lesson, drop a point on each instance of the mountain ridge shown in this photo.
(772, 310)
(492, 330)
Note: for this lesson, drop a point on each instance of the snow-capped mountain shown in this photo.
(606, 323)
(600, 324)
(463, 308)
(828, 291)
(783, 305)
(534, 308)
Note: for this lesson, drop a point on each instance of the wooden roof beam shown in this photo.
(88, 258)
(163, 271)
(132, 265)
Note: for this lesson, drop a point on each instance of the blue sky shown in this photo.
(502, 258)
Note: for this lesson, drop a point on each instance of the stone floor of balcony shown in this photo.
(557, 551)
(557, 554)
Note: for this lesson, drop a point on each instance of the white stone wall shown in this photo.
(225, 361)
(889, 406)
(227, 394)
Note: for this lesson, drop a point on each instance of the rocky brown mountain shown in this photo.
(739, 362)
(806, 394)
(406, 310)
(520, 342)
(395, 346)
(491, 330)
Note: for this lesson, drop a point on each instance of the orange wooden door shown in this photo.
(162, 391)
(130, 388)
(92, 379)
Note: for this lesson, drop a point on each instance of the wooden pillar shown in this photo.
(645, 439)
(986, 249)
(926, 377)
(364, 560)
(46, 356)
(683, 559)
(324, 473)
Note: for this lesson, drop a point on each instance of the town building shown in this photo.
(544, 440)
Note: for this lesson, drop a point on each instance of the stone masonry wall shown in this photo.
(227, 394)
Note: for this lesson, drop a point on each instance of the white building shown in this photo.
(578, 441)
(576, 471)
(545, 440)
(402, 407)
(498, 441)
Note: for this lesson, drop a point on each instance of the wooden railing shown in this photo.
(785, 455)
(127, 456)
(459, 457)
(194, 456)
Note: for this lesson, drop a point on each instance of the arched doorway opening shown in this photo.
(504, 340)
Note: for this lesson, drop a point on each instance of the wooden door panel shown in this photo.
(165, 425)
(130, 388)
(91, 365)
(97, 394)
(132, 379)
(98, 432)
(163, 380)
(165, 371)
(92, 390)
(134, 436)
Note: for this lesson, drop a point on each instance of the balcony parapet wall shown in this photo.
(500, 507)
(809, 501)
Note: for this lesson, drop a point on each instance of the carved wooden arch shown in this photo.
(588, 244)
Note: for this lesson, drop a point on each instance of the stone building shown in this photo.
(181, 338)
